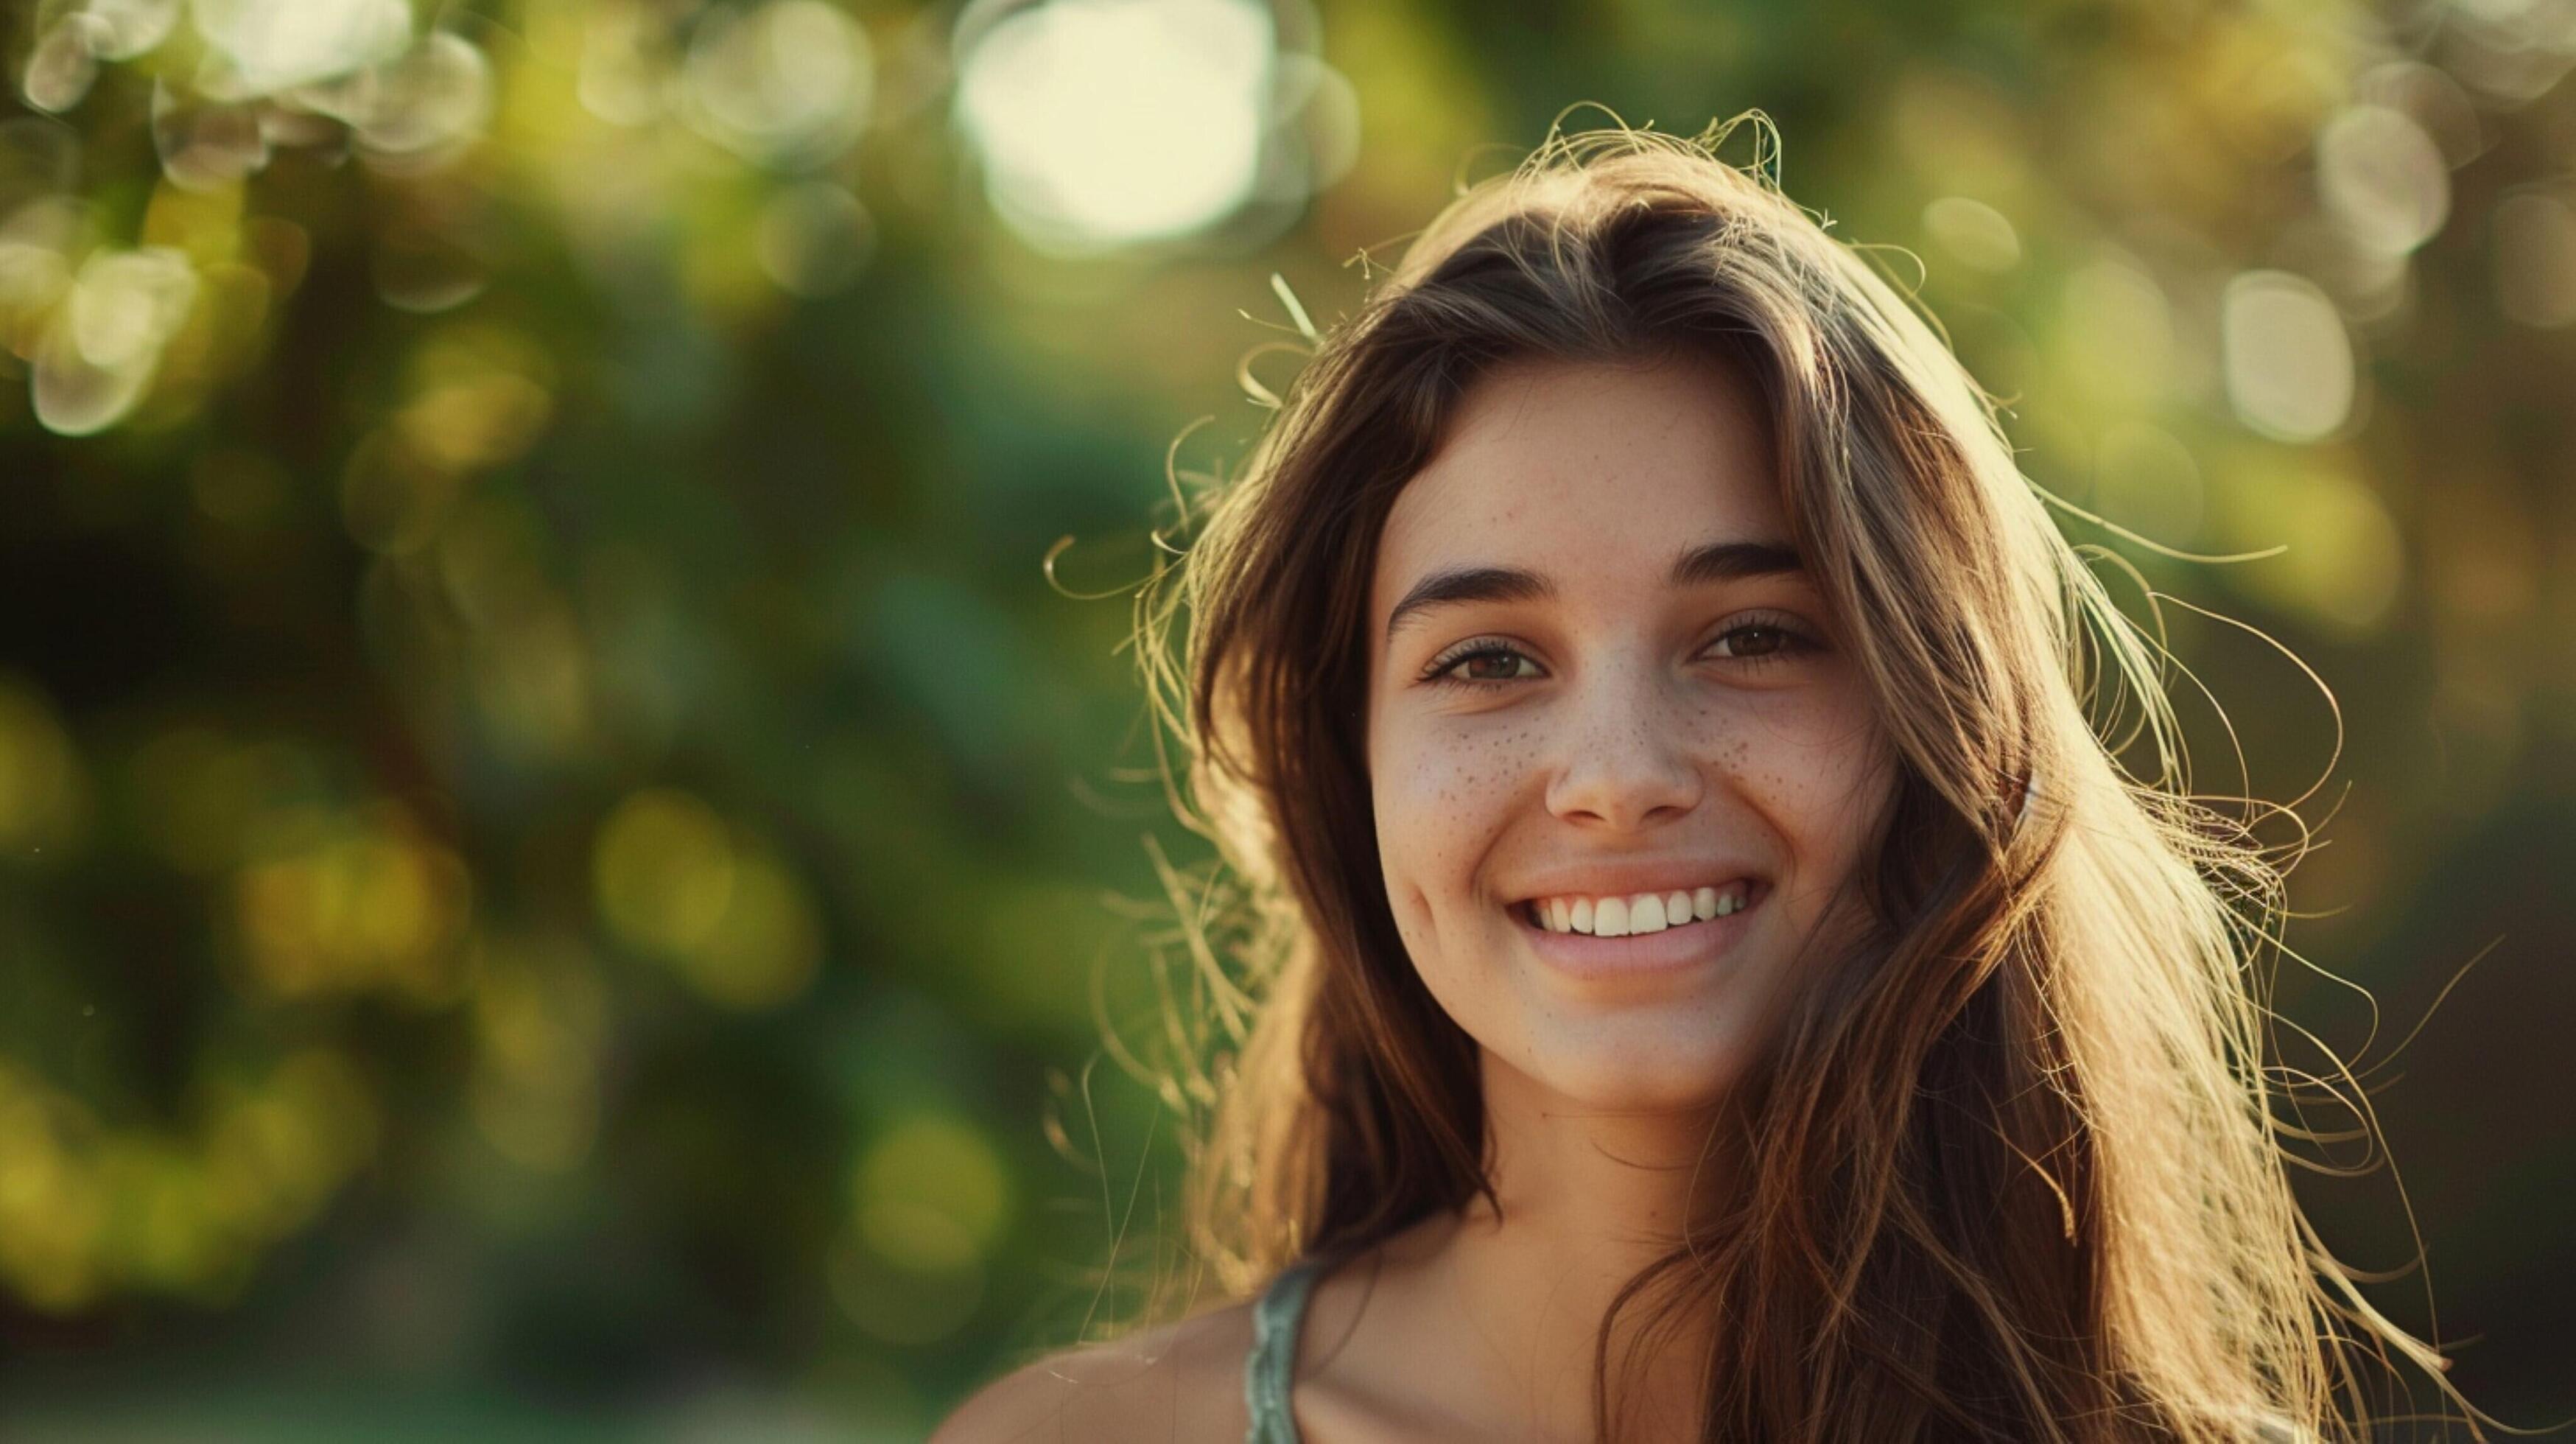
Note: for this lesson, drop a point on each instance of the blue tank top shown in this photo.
(1270, 1371)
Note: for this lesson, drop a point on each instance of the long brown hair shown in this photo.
(2010, 1168)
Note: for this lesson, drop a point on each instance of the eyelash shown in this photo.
(1794, 643)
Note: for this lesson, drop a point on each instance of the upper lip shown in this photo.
(1629, 879)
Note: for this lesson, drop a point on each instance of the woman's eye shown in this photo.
(1486, 663)
(1758, 643)
(1764, 640)
(1493, 663)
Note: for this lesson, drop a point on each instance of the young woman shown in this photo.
(1710, 979)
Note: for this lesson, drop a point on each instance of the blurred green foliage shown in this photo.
(563, 868)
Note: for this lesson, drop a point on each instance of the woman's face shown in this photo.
(1597, 676)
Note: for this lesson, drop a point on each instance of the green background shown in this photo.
(563, 868)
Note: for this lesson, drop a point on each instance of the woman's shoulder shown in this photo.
(1181, 1380)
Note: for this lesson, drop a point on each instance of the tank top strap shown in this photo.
(1271, 1369)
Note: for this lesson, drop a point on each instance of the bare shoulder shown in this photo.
(1181, 1381)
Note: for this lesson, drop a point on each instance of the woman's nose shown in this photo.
(1627, 763)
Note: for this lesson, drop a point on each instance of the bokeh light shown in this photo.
(2146, 479)
(787, 81)
(1980, 236)
(2289, 360)
(2345, 563)
(2382, 178)
(2118, 333)
(540, 1013)
(263, 48)
(359, 900)
(1103, 122)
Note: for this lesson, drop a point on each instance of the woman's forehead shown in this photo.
(1581, 470)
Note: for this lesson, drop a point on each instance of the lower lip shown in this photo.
(1688, 945)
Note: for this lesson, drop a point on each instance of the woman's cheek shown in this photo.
(1417, 779)
(1829, 792)
(1404, 790)
(1436, 798)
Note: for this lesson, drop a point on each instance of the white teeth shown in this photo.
(1610, 918)
(1615, 917)
(1646, 915)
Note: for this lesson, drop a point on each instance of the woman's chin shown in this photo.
(1640, 1077)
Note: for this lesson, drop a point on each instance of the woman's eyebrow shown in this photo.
(1734, 561)
(1698, 566)
(1468, 584)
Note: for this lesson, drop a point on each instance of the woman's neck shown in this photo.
(1589, 1199)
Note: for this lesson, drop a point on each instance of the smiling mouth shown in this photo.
(1641, 914)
